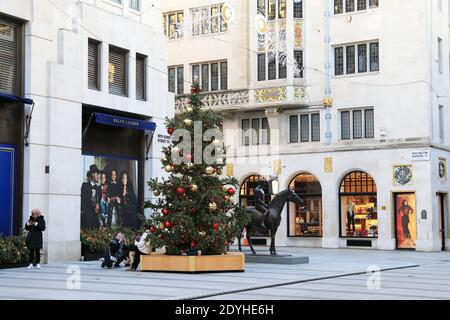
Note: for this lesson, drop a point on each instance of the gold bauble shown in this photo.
(161, 226)
(157, 193)
(189, 165)
(210, 170)
(225, 188)
(187, 122)
(168, 168)
(189, 109)
(212, 206)
(176, 149)
(194, 188)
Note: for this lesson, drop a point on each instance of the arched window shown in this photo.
(246, 197)
(306, 220)
(358, 206)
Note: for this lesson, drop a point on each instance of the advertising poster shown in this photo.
(109, 195)
(406, 217)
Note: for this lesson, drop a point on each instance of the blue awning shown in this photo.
(123, 122)
(7, 97)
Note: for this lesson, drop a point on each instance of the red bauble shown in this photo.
(152, 229)
(195, 90)
(193, 244)
(231, 191)
(170, 130)
(181, 191)
(226, 243)
(167, 224)
(165, 211)
(162, 237)
(216, 226)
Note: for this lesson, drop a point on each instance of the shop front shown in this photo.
(358, 206)
(113, 151)
(11, 127)
(306, 220)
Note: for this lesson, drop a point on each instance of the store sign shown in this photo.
(422, 155)
(123, 122)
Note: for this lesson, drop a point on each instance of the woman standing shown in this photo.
(128, 202)
(35, 226)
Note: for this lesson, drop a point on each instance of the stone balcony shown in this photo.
(250, 99)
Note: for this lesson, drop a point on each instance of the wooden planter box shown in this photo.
(233, 261)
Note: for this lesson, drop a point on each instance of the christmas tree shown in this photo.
(196, 210)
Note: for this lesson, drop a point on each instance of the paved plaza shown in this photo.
(331, 274)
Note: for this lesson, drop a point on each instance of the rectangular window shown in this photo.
(374, 57)
(196, 21)
(362, 5)
(281, 9)
(265, 131)
(246, 132)
(262, 7)
(8, 58)
(373, 3)
(196, 74)
(293, 129)
(205, 77)
(357, 124)
(362, 58)
(349, 5)
(172, 78)
(272, 67)
(135, 5)
(338, 6)
(350, 59)
(298, 57)
(441, 123)
(93, 64)
(369, 124)
(272, 9)
(282, 67)
(117, 71)
(304, 128)
(141, 77)
(223, 23)
(440, 57)
(223, 76)
(255, 131)
(173, 24)
(214, 76)
(205, 20)
(315, 127)
(345, 125)
(298, 9)
(261, 67)
(215, 19)
(339, 61)
(180, 80)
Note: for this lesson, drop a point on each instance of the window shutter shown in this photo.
(140, 77)
(117, 71)
(93, 69)
(8, 58)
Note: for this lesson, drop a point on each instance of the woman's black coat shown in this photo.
(34, 238)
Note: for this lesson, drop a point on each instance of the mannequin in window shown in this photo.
(351, 216)
(260, 205)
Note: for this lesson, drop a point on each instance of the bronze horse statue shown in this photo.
(272, 219)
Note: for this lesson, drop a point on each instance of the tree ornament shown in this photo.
(216, 226)
(165, 211)
(188, 157)
(210, 170)
(170, 130)
(181, 191)
(193, 187)
(219, 171)
(168, 168)
(168, 224)
(231, 191)
(193, 244)
(176, 149)
(226, 198)
(152, 229)
(161, 226)
(189, 165)
(212, 206)
(187, 122)
(157, 193)
(225, 188)
(226, 243)
(189, 109)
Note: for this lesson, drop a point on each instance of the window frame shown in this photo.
(126, 55)
(351, 120)
(98, 85)
(342, 6)
(295, 123)
(203, 26)
(222, 85)
(143, 58)
(176, 84)
(181, 24)
(360, 69)
(258, 136)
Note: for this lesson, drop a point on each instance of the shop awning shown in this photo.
(123, 122)
(7, 97)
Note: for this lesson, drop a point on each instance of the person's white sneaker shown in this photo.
(30, 266)
(38, 266)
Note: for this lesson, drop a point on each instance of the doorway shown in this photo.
(405, 217)
(7, 188)
(442, 204)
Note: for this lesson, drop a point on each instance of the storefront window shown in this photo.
(306, 220)
(358, 202)
(246, 198)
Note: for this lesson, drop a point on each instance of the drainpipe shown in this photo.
(327, 43)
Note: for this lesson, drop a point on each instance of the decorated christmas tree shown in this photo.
(195, 211)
